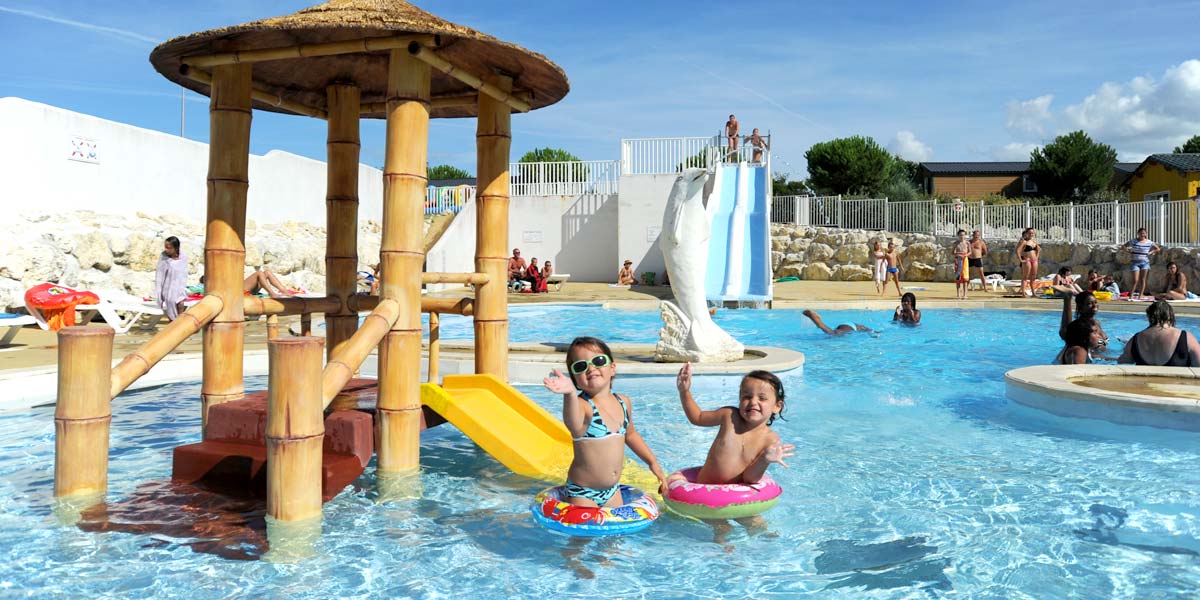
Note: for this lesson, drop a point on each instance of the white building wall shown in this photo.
(137, 169)
(643, 200)
(578, 233)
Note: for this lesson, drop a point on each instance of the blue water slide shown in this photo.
(739, 251)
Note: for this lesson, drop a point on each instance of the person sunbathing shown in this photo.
(1176, 284)
(264, 280)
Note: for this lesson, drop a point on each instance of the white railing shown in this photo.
(1175, 222)
(655, 156)
(571, 178)
(440, 200)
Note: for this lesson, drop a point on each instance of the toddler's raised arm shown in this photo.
(696, 416)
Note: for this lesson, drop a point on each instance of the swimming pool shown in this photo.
(913, 477)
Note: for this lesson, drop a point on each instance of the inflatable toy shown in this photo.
(725, 501)
(57, 303)
(636, 512)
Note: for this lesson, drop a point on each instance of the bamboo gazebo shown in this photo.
(339, 61)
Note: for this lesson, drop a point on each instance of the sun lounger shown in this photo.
(557, 280)
(13, 323)
(993, 280)
(120, 311)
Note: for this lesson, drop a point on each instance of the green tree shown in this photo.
(853, 165)
(1191, 146)
(447, 172)
(1072, 166)
(548, 155)
(907, 170)
(782, 186)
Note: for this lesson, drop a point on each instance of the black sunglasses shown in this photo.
(599, 361)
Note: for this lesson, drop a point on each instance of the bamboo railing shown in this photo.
(501, 93)
(140, 361)
(304, 50)
(340, 367)
(258, 93)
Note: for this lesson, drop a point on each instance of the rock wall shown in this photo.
(96, 251)
(825, 254)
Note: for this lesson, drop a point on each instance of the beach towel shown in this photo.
(960, 269)
(170, 283)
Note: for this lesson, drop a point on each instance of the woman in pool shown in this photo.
(1027, 254)
(1086, 308)
(1161, 344)
(1176, 284)
(1082, 336)
(907, 313)
(842, 329)
(601, 423)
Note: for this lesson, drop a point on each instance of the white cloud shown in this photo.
(1029, 116)
(124, 34)
(1143, 116)
(907, 146)
(1012, 151)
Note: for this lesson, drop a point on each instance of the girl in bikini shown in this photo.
(1027, 253)
(601, 423)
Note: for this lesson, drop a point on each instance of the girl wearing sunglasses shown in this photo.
(601, 424)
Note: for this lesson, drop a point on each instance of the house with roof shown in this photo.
(973, 180)
(1166, 177)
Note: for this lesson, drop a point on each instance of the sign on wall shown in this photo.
(84, 150)
(531, 237)
(652, 232)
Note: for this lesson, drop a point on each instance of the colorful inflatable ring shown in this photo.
(636, 512)
(728, 501)
(57, 303)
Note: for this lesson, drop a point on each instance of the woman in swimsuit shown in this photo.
(1027, 253)
(907, 313)
(1162, 344)
(1082, 336)
(1086, 307)
(592, 415)
(1176, 284)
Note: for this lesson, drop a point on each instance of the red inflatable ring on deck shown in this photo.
(57, 303)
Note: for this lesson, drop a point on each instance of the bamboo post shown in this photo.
(272, 327)
(305, 324)
(83, 412)
(224, 244)
(341, 210)
(341, 366)
(493, 138)
(401, 254)
(295, 428)
(435, 346)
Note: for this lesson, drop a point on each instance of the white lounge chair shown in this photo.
(119, 310)
(557, 280)
(13, 323)
(994, 280)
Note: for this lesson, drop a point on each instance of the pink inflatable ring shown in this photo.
(723, 501)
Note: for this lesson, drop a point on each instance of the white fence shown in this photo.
(570, 178)
(1175, 222)
(655, 156)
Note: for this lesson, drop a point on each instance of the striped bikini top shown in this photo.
(597, 429)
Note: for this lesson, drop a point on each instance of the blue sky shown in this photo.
(942, 81)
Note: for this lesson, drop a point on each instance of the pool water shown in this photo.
(914, 477)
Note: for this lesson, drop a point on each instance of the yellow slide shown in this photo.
(512, 428)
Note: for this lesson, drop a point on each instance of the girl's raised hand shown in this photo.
(777, 452)
(559, 383)
(683, 382)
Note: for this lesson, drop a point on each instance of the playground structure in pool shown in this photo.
(315, 428)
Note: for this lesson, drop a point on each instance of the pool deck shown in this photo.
(34, 348)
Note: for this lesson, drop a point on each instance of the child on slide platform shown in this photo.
(601, 423)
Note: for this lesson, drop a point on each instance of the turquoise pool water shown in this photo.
(914, 477)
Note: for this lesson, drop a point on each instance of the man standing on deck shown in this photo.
(731, 133)
(978, 251)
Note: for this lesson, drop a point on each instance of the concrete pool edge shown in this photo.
(529, 363)
(1051, 388)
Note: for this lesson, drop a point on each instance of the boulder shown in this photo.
(47, 263)
(919, 271)
(818, 271)
(14, 258)
(92, 251)
(851, 273)
(1056, 253)
(853, 253)
(819, 252)
(944, 273)
(799, 245)
(925, 252)
(1081, 255)
(778, 244)
(789, 270)
(143, 253)
(12, 294)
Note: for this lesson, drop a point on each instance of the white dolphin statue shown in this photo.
(689, 333)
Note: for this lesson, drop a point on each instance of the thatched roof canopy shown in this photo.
(303, 80)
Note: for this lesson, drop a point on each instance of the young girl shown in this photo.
(601, 423)
(881, 265)
(745, 445)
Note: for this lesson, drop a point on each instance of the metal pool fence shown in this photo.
(1173, 222)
